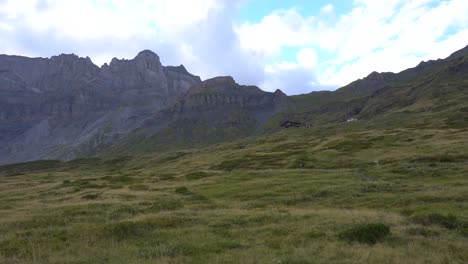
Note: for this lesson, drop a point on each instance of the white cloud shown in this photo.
(296, 76)
(198, 34)
(331, 49)
(387, 35)
(307, 58)
(327, 9)
(279, 29)
(97, 18)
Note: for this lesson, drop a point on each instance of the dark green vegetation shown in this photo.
(366, 233)
(364, 196)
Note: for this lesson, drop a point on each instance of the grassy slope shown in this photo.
(247, 201)
(433, 94)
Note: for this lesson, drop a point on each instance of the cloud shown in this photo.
(298, 76)
(280, 28)
(387, 35)
(212, 47)
(327, 9)
(330, 49)
(198, 34)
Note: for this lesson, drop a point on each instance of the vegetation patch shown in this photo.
(448, 221)
(120, 161)
(446, 157)
(167, 176)
(348, 145)
(127, 230)
(122, 179)
(196, 175)
(91, 196)
(139, 187)
(27, 167)
(182, 190)
(82, 184)
(366, 233)
(256, 161)
(162, 249)
(422, 231)
(167, 204)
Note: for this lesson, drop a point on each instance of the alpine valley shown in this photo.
(136, 162)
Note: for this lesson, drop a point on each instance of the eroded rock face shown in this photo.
(213, 111)
(224, 91)
(67, 107)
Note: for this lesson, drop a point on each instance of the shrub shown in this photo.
(161, 249)
(91, 196)
(196, 175)
(125, 230)
(167, 205)
(448, 221)
(118, 179)
(464, 231)
(182, 190)
(167, 176)
(229, 165)
(366, 233)
(139, 187)
(421, 231)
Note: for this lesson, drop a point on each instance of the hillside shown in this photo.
(217, 110)
(66, 107)
(434, 93)
(248, 201)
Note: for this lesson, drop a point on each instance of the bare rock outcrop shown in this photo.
(67, 107)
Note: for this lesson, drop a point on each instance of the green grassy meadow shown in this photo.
(364, 196)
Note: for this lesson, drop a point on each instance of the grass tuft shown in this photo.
(366, 233)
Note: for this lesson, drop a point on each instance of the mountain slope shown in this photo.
(434, 93)
(248, 201)
(67, 107)
(214, 111)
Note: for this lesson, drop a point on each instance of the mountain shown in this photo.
(434, 93)
(67, 107)
(213, 111)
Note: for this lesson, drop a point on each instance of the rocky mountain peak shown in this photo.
(373, 76)
(278, 92)
(219, 81)
(147, 56)
(222, 85)
(65, 56)
(72, 62)
(460, 53)
(83, 103)
(146, 61)
(179, 69)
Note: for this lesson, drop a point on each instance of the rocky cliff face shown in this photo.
(224, 92)
(213, 111)
(67, 107)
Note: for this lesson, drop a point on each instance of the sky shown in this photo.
(297, 46)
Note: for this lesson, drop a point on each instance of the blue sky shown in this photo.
(297, 46)
(254, 11)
